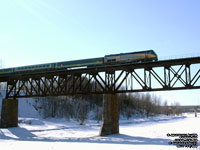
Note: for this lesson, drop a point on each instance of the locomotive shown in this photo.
(133, 57)
(142, 56)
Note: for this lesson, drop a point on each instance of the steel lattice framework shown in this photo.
(174, 74)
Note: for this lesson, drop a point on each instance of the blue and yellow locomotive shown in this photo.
(134, 57)
(142, 56)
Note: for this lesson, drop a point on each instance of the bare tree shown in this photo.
(148, 106)
(98, 113)
(82, 111)
(166, 109)
(176, 109)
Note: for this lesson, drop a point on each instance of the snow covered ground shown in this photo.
(60, 134)
(137, 133)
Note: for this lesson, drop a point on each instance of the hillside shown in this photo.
(25, 107)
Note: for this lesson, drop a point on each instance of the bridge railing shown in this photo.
(187, 55)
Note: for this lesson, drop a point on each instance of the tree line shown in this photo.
(81, 107)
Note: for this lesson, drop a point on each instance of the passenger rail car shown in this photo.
(80, 63)
(141, 56)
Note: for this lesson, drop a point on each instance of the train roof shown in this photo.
(28, 66)
(144, 51)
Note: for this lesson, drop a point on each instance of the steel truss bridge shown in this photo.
(176, 74)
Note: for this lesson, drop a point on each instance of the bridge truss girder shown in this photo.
(110, 80)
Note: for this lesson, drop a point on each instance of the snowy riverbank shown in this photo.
(51, 134)
(138, 132)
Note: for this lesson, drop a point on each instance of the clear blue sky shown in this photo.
(43, 31)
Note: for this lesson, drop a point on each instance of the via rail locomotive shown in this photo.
(134, 57)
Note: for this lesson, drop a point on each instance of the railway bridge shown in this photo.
(176, 74)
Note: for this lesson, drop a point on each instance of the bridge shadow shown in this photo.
(22, 134)
(132, 140)
(16, 133)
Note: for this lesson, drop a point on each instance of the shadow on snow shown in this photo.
(22, 134)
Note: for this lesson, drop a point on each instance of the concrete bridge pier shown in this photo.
(9, 113)
(110, 116)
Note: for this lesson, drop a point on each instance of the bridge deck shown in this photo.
(104, 68)
(176, 74)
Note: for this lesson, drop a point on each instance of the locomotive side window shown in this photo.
(111, 60)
